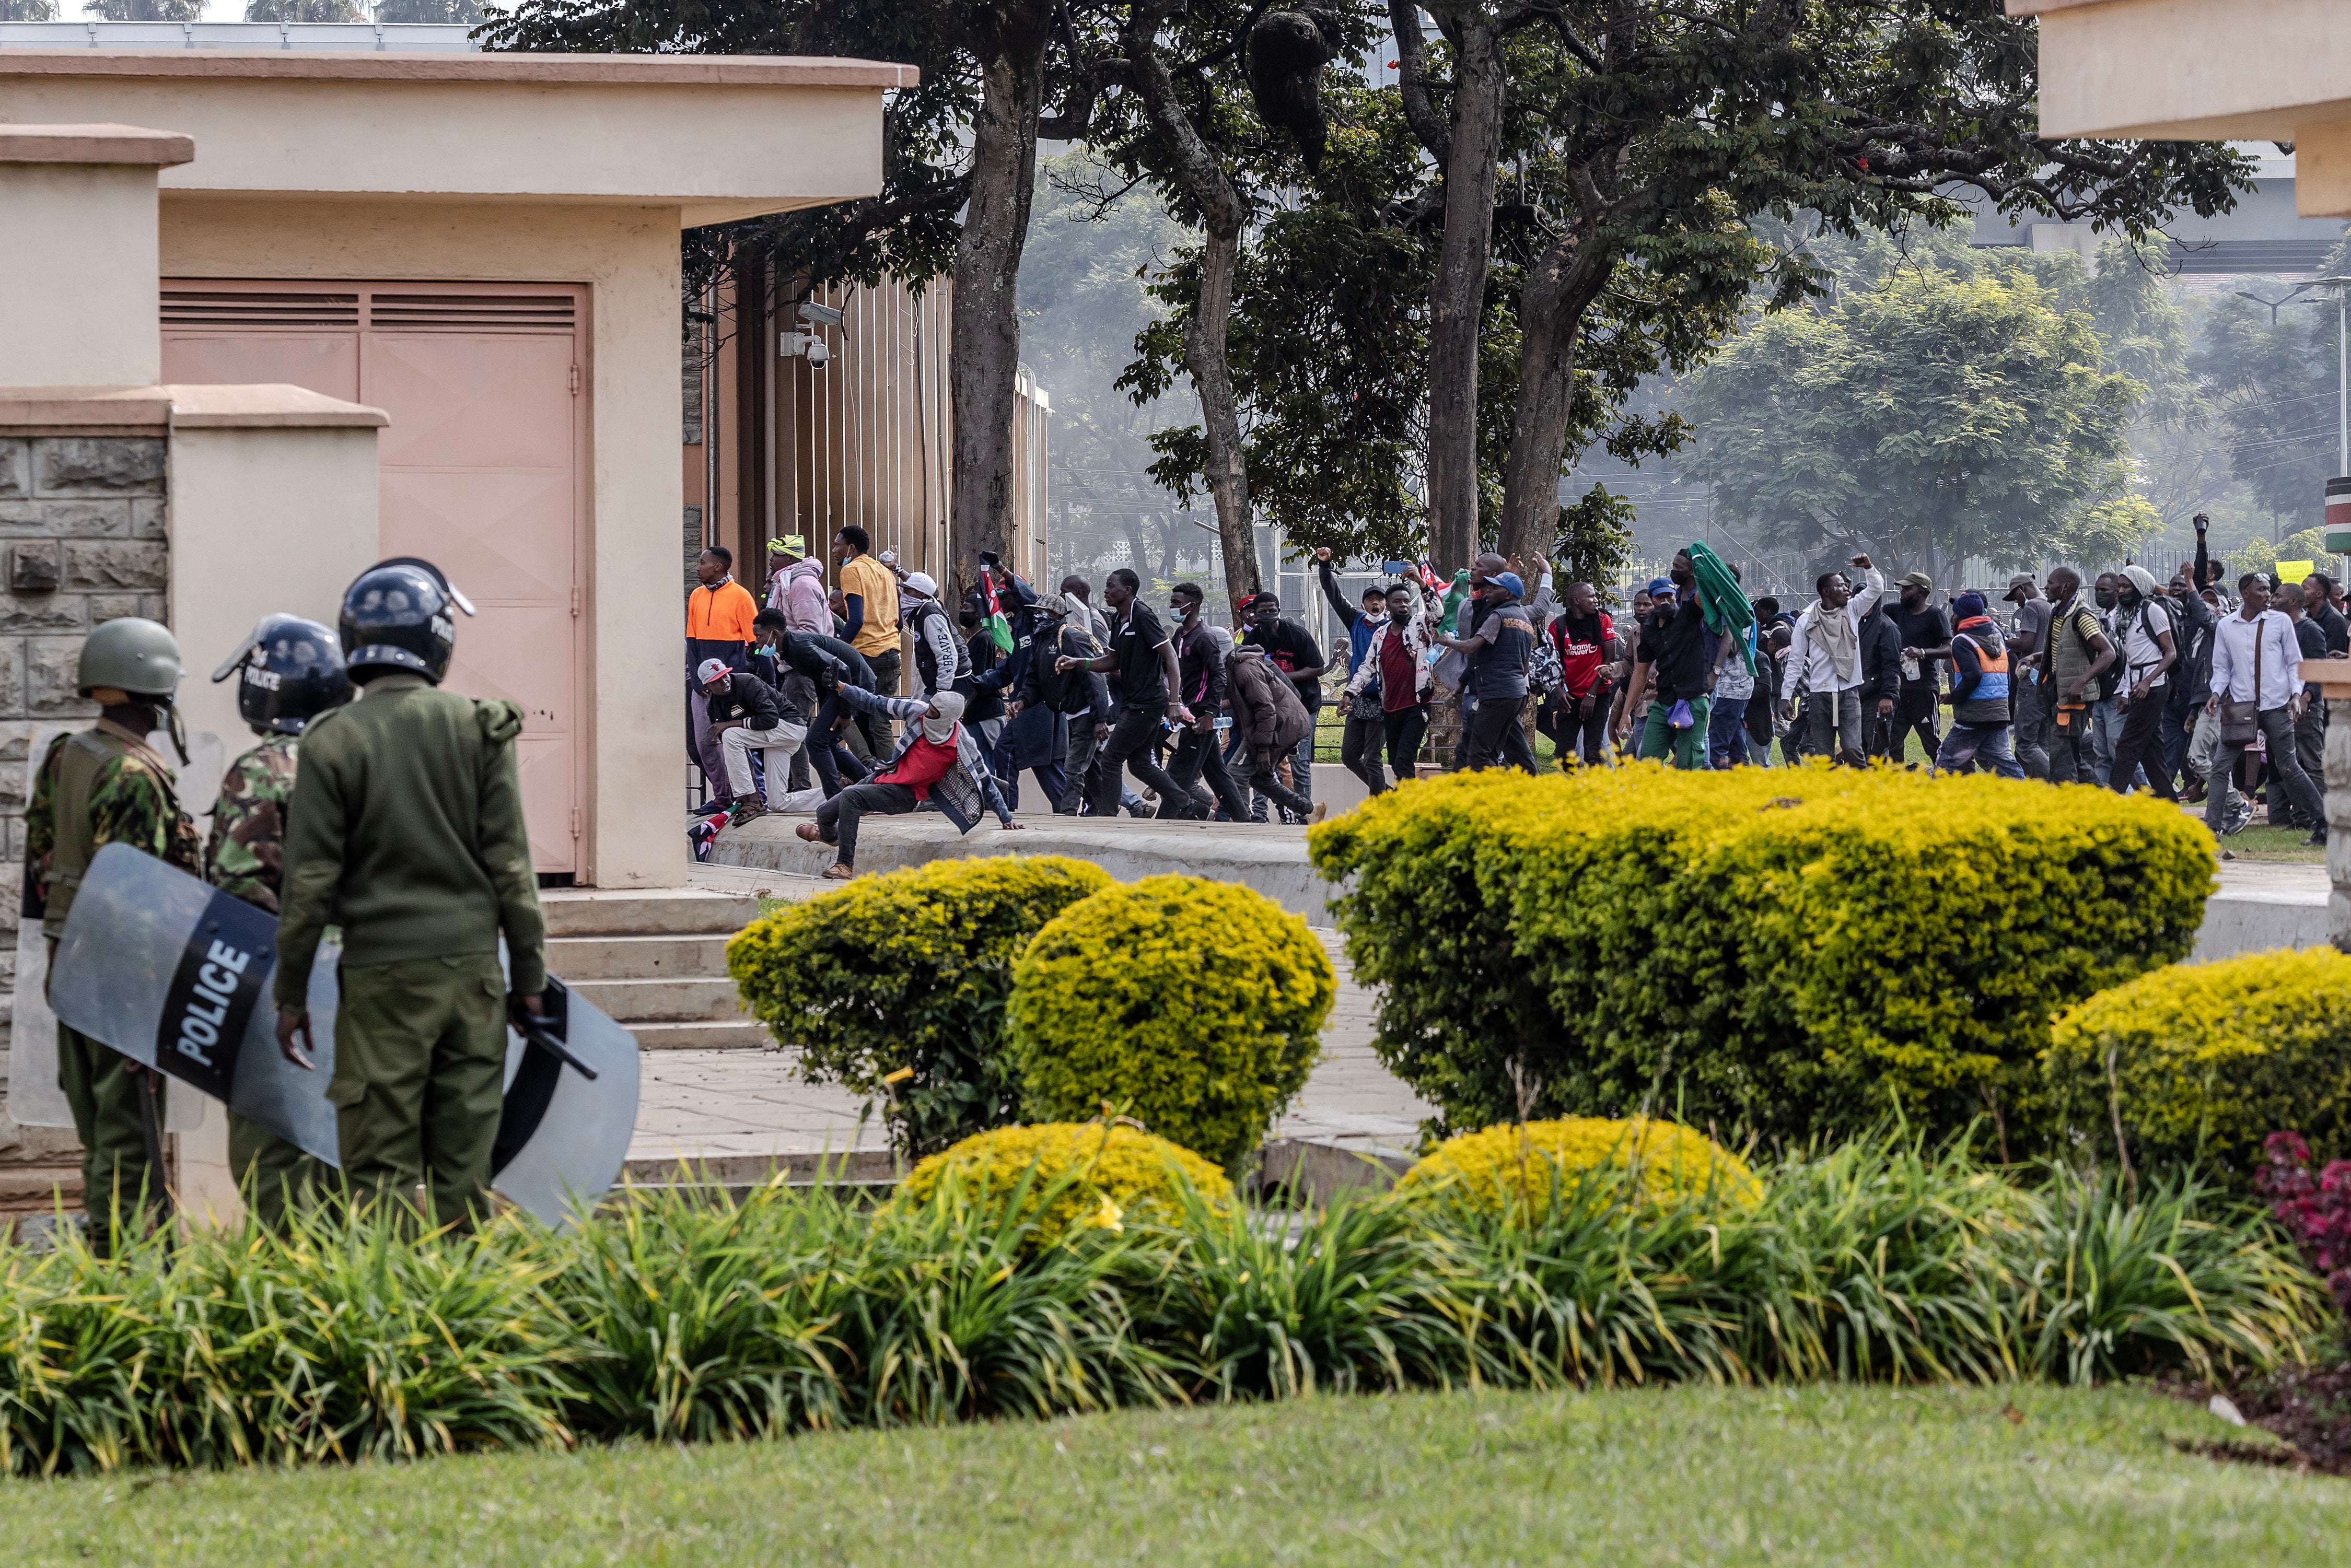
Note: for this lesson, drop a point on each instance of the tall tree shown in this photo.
(1646, 133)
(1927, 420)
(2272, 375)
(963, 141)
(1219, 101)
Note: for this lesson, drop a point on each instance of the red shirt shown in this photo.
(1399, 676)
(1581, 661)
(925, 763)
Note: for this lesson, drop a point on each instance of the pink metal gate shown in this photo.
(483, 473)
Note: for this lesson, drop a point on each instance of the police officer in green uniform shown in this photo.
(406, 825)
(289, 671)
(107, 786)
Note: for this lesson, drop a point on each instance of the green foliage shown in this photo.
(1195, 1007)
(1514, 1166)
(1927, 419)
(693, 1316)
(2272, 375)
(1641, 940)
(2207, 1059)
(909, 971)
(1062, 1175)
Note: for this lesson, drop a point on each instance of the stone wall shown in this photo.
(81, 541)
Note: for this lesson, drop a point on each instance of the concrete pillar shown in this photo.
(2333, 679)
(78, 253)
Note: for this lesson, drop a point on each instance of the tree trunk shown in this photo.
(1195, 171)
(1457, 298)
(1204, 356)
(984, 353)
(1559, 289)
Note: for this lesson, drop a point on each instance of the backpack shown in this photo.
(1545, 670)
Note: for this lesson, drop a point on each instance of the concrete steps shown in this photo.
(656, 961)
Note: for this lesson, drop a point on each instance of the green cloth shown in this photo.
(104, 1100)
(1723, 600)
(274, 1175)
(406, 825)
(1454, 596)
(420, 1079)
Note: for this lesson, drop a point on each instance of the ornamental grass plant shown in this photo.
(684, 1316)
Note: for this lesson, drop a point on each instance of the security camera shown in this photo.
(826, 314)
(806, 344)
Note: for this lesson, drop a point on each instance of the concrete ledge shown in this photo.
(94, 145)
(266, 406)
(1319, 1169)
(1271, 858)
(85, 411)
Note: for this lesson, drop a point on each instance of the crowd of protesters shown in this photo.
(1106, 710)
(2190, 688)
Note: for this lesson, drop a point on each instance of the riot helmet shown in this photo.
(133, 656)
(396, 616)
(293, 673)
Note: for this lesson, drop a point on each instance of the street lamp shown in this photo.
(2287, 298)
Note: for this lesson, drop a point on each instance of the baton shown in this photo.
(539, 1035)
(151, 1129)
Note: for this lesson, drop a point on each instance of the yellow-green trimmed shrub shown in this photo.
(1079, 1176)
(909, 971)
(1195, 1007)
(1784, 950)
(2210, 1058)
(1663, 1162)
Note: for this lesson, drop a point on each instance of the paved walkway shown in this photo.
(708, 1105)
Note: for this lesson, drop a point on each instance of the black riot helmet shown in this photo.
(293, 673)
(396, 616)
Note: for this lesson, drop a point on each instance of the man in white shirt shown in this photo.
(2257, 660)
(1824, 658)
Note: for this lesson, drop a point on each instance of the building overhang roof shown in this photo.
(714, 137)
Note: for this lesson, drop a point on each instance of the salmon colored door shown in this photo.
(482, 473)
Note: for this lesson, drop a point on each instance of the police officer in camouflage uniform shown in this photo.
(107, 786)
(406, 824)
(289, 671)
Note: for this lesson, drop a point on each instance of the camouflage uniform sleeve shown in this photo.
(129, 804)
(41, 821)
(246, 854)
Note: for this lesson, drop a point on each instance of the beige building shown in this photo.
(2206, 70)
(266, 317)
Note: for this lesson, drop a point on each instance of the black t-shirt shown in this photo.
(1291, 647)
(1137, 681)
(1923, 628)
(2337, 630)
(1673, 644)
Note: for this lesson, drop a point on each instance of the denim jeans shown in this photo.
(1966, 743)
(1726, 732)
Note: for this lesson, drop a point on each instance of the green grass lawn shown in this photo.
(1937, 1478)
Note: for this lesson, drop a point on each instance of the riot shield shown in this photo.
(176, 975)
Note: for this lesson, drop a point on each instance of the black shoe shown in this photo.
(2317, 840)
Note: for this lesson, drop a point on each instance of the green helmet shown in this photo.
(134, 655)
